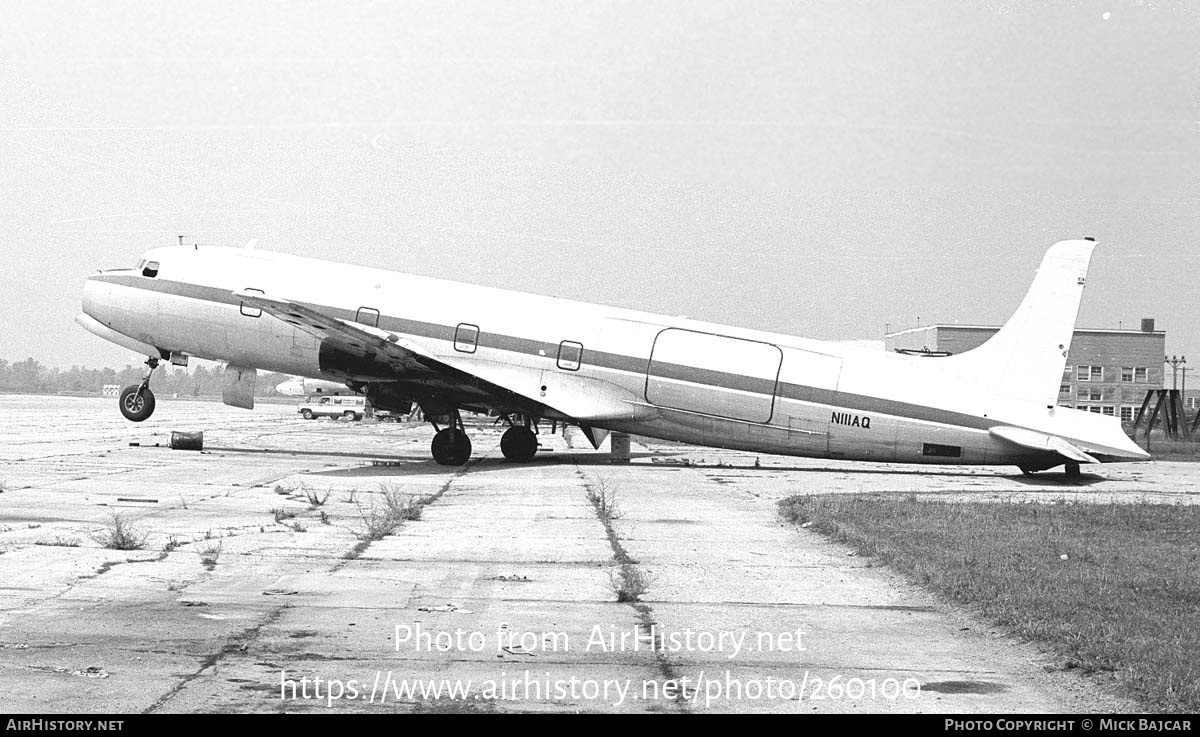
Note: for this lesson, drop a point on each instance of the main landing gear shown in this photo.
(518, 444)
(1070, 470)
(136, 400)
(451, 446)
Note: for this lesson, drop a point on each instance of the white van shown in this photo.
(350, 407)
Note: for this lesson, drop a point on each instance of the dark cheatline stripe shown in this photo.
(612, 361)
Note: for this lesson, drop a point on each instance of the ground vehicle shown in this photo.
(352, 408)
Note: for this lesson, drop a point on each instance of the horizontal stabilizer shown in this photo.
(1041, 441)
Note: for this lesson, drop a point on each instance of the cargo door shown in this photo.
(713, 374)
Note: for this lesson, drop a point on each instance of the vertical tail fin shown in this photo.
(1025, 359)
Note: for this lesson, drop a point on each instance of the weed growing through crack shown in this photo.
(120, 534)
(603, 497)
(172, 543)
(629, 582)
(60, 542)
(209, 555)
(316, 499)
(389, 511)
(281, 514)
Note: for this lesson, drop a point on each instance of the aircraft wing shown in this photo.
(351, 337)
(1041, 441)
(585, 401)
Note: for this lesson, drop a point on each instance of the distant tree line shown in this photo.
(31, 377)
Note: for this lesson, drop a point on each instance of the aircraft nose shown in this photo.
(91, 289)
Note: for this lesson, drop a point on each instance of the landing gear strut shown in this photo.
(451, 446)
(137, 401)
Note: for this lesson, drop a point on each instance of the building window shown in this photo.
(1128, 412)
(1108, 409)
(1094, 408)
(1093, 395)
(1192, 402)
(1064, 389)
(1133, 374)
(1089, 373)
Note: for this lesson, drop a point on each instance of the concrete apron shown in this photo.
(506, 587)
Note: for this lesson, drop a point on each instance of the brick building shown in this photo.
(1108, 371)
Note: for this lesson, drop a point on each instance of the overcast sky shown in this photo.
(822, 169)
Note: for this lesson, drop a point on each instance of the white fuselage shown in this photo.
(679, 379)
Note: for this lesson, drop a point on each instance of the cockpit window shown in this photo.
(150, 269)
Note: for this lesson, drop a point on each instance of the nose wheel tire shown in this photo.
(136, 402)
(518, 444)
(451, 447)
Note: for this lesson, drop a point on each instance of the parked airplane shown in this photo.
(303, 387)
(403, 339)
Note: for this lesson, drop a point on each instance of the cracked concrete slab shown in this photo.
(512, 555)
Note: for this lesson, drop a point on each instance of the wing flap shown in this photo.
(1041, 441)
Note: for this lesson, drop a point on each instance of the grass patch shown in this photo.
(120, 534)
(1165, 449)
(1113, 588)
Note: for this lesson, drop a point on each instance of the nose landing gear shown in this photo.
(136, 400)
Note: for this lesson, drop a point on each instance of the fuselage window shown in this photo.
(466, 338)
(570, 355)
(367, 316)
(249, 310)
(150, 269)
